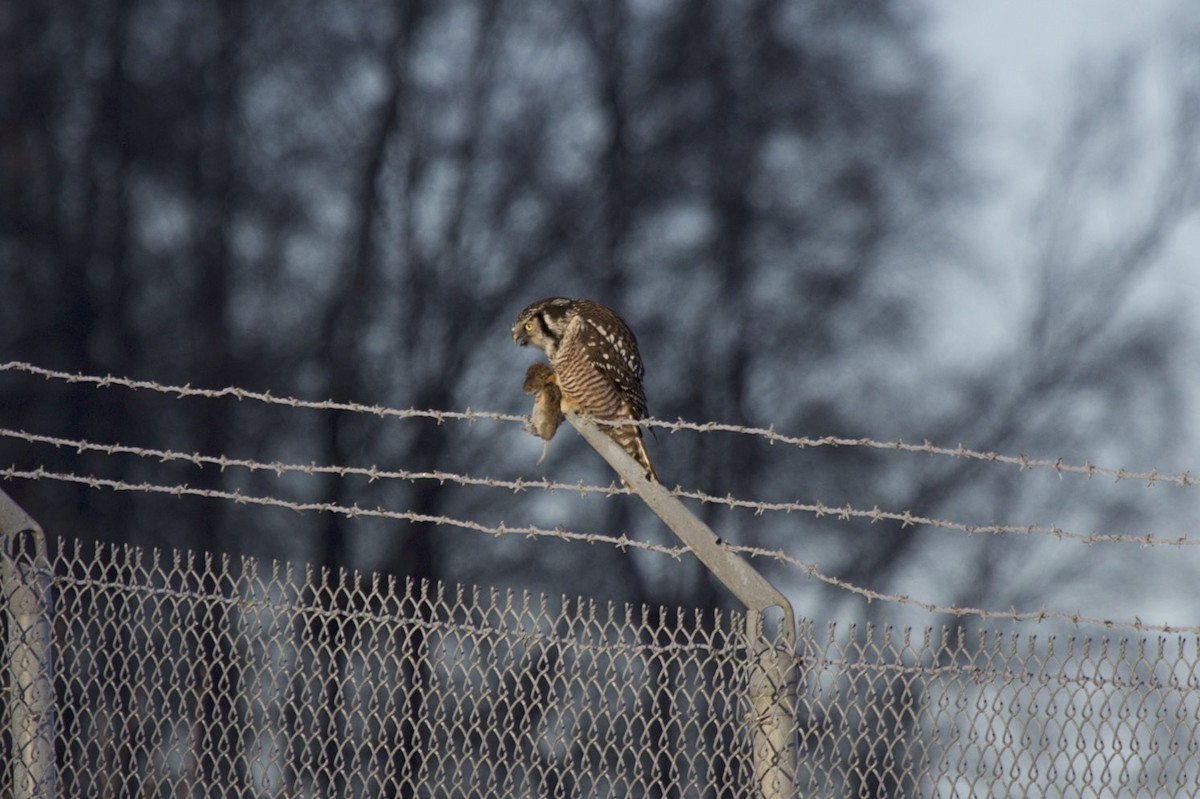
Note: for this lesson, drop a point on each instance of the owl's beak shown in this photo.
(519, 335)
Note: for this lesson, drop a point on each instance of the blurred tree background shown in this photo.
(353, 201)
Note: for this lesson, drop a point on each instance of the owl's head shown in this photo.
(543, 323)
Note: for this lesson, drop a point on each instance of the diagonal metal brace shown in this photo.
(750, 587)
(14, 520)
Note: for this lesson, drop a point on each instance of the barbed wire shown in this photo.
(1058, 465)
(621, 542)
(259, 396)
(350, 511)
(909, 519)
(818, 509)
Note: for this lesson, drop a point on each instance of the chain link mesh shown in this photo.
(182, 675)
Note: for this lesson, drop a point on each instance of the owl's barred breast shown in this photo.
(583, 379)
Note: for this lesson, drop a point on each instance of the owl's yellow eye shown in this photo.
(528, 326)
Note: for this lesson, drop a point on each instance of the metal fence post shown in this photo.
(772, 692)
(25, 581)
(773, 657)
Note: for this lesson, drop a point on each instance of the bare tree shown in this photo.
(1094, 371)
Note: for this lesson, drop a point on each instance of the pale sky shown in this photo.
(1011, 62)
(1019, 52)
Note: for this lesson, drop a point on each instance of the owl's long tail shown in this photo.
(630, 439)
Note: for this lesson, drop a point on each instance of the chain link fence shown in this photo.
(143, 673)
